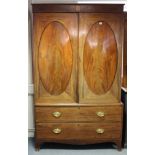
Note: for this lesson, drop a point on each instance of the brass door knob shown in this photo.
(100, 114)
(100, 131)
(56, 114)
(57, 130)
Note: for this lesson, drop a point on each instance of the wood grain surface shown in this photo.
(78, 131)
(79, 114)
(100, 58)
(124, 78)
(100, 54)
(55, 58)
(116, 8)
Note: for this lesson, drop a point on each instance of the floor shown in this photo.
(60, 149)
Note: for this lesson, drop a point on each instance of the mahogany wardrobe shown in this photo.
(77, 56)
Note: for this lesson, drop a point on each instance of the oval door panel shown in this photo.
(100, 58)
(55, 58)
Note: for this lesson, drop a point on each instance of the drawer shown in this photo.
(57, 131)
(76, 114)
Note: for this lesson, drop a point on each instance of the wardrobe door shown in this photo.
(100, 48)
(55, 57)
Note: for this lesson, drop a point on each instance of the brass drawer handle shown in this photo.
(56, 114)
(57, 130)
(100, 114)
(100, 131)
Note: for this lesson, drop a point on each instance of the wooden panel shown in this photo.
(79, 141)
(78, 131)
(100, 52)
(124, 80)
(77, 8)
(55, 58)
(100, 58)
(65, 104)
(79, 114)
(102, 8)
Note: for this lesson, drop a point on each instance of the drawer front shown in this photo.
(55, 114)
(77, 131)
(81, 114)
